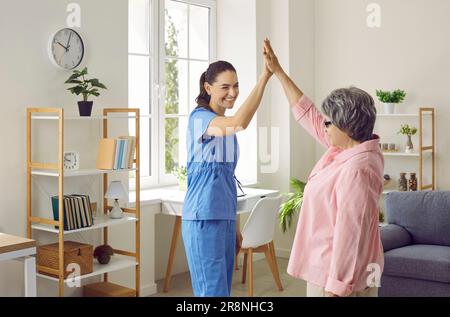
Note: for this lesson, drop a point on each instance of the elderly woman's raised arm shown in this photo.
(305, 113)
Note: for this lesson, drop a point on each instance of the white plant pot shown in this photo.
(389, 108)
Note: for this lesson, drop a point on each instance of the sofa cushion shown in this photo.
(393, 237)
(425, 215)
(424, 262)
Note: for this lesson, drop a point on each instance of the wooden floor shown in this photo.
(264, 284)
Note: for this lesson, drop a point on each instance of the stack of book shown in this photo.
(77, 211)
(116, 154)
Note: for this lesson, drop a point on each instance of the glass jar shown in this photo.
(403, 183)
(412, 182)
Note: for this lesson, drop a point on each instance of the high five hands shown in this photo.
(270, 59)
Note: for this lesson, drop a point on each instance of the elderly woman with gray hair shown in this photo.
(337, 248)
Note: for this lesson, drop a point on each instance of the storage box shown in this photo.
(107, 289)
(74, 253)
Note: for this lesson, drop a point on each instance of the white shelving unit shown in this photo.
(121, 259)
(402, 154)
(78, 173)
(101, 221)
(423, 150)
(116, 263)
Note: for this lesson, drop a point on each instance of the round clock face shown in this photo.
(71, 160)
(66, 49)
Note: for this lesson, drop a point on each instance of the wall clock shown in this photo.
(66, 49)
(71, 161)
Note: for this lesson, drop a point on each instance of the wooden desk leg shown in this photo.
(30, 276)
(173, 249)
(238, 236)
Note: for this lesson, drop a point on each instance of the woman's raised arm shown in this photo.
(293, 93)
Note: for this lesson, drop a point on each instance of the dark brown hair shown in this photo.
(210, 76)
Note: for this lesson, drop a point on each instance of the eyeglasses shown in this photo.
(327, 124)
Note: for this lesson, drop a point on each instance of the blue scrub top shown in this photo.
(211, 193)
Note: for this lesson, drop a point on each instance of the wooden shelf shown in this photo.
(117, 262)
(101, 221)
(80, 172)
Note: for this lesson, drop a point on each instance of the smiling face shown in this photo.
(224, 91)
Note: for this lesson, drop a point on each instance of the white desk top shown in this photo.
(174, 195)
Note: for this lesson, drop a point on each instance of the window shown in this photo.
(170, 44)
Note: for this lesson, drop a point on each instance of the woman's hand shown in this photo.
(329, 294)
(267, 72)
(293, 93)
(270, 59)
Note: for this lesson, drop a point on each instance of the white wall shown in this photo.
(410, 51)
(236, 43)
(27, 78)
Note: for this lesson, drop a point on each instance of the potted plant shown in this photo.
(181, 175)
(292, 206)
(408, 131)
(390, 99)
(85, 87)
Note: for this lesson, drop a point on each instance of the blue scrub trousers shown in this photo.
(210, 250)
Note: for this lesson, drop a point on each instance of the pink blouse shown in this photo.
(337, 243)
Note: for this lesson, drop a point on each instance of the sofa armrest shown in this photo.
(394, 236)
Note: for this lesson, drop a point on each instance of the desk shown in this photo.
(21, 249)
(172, 204)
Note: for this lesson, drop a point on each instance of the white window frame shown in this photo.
(157, 57)
(168, 179)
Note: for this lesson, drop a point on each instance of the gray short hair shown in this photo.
(353, 111)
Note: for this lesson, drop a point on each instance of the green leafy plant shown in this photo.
(84, 86)
(381, 217)
(172, 100)
(396, 96)
(180, 173)
(407, 130)
(292, 206)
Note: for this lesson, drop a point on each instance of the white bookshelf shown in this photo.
(80, 172)
(423, 160)
(401, 115)
(100, 221)
(91, 118)
(117, 263)
(123, 258)
(401, 154)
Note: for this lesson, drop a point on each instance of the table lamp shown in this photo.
(116, 192)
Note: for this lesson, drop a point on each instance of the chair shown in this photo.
(257, 237)
(416, 245)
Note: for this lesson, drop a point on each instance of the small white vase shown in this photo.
(389, 108)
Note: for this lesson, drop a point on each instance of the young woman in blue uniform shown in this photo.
(209, 212)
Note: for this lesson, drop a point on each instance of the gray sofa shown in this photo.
(416, 245)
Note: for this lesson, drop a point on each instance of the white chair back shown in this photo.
(260, 226)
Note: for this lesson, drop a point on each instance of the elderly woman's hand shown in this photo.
(271, 59)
